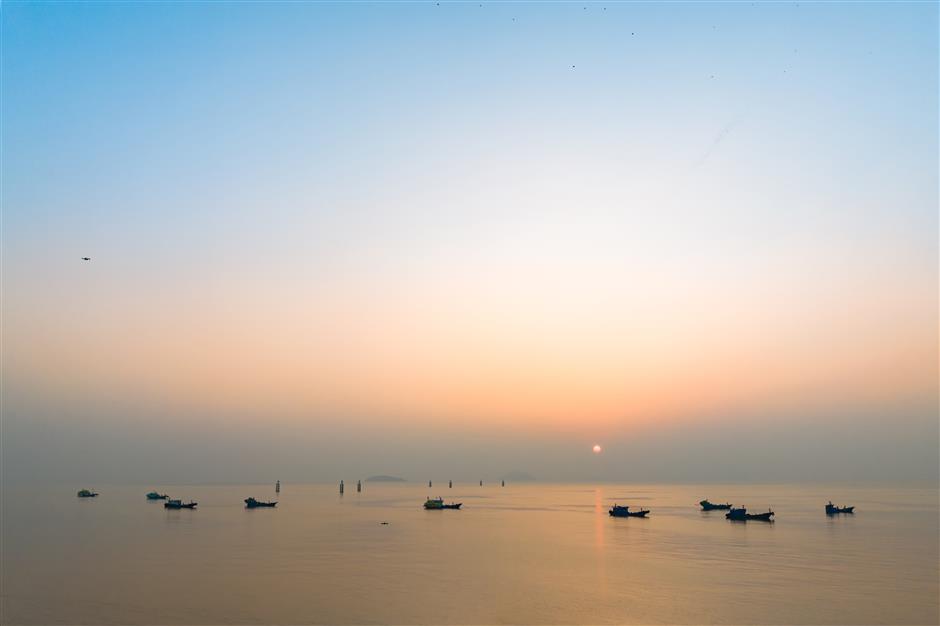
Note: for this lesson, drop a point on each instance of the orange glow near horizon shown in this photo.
(547, 362)
(495, 329)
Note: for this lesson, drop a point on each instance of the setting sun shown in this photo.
(596, 449)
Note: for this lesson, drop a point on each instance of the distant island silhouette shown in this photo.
(518, 476)
(382, 478)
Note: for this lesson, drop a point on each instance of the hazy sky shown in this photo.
(337, 239)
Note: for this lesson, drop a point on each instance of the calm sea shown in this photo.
(520, 554)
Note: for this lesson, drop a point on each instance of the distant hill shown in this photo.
(519, 477)
(382, 478)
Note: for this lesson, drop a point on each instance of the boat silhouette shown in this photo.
(741, 515)
(832, 509)
(86, 493)
(624, 511)
(153, 495)
(251, 503)
(437, 504)
(710, 506)
(179, 504)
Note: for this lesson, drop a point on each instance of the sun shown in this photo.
(596, 449)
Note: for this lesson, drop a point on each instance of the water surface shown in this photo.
(524, 553)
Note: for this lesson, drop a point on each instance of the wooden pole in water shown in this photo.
(450, 484)
(429, 483)
(358, 486)
(277, 487)
(503, 484)
(342, 487)
(481, 483)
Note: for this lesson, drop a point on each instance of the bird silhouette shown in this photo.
(86, 258)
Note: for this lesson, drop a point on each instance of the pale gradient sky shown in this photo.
(332, 240)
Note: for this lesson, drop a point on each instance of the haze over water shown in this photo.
(523, 554)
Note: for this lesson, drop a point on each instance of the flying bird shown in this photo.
(86, 258)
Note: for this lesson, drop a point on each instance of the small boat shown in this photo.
(85, 493)
(179, 504)
(624, 511)
(251, 503)
(832, 509)
(709, 506)
(741, 515)
(437, 504)
(153, 495)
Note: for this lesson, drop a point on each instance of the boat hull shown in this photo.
(708, 506)
(179, 505)
(740, 515)
(439, 506)
(619, 512)
(761, 517)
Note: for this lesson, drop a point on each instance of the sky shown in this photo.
(458, 239)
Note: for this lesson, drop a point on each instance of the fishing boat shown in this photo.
(179, 504)
(741, 515)
(437, 504)
(624, 511)
(251, 503)
(85, 493)
(832, 509)
(710, 506)
(153, 495)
